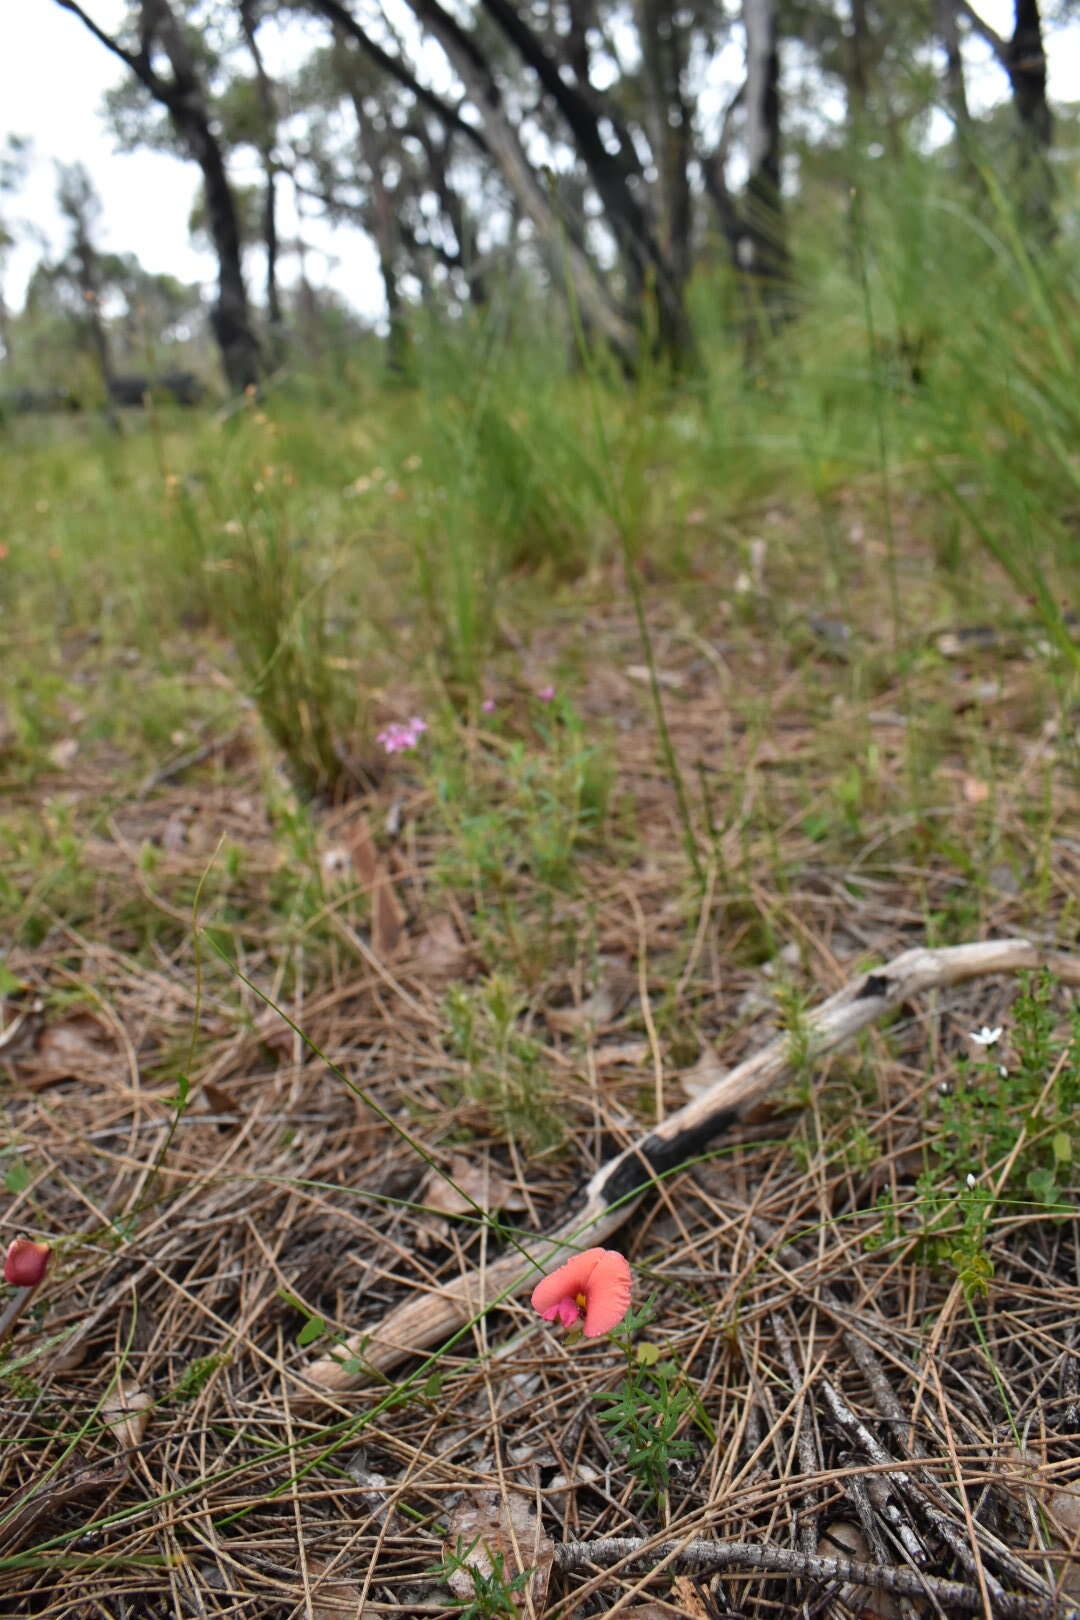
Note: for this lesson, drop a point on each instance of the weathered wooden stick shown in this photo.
(613, 1192)
(701, 1557)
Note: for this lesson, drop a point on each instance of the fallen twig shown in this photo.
(953, 1596)
(616, 1188)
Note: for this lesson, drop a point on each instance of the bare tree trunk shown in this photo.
(761, 250)
(458, 215)
(307, 301)
(230, 318)
(753, 223)
(184, 98)
(397, 334)
(383, 213)
(948, 32)
(595, 302)
(267, 137)
(90, 287)
(1024, 59)
(670, 122)
(858, 69)
(955, 86)
(1026, 65)
(580, 18)
(646, 267)
(5, 331)
(79, 205)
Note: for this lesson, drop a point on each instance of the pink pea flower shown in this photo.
(594, 1285)
(546, 693)
(394, 738)
(400, 735)
(26, 1262)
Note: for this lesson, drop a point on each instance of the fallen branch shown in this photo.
(618, 1186)
(953, 1597)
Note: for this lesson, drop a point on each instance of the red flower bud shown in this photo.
(26, 1262)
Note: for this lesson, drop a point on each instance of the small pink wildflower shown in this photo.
(401, 734)
(26, 1262)
(488, 706)
(546, 693)
(594, 1285)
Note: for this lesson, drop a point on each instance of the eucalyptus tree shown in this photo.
(493, 128)
(165, 51)
(590, 112)
(101, 304)
(82, 265)
(14, 166)
(1022, 56)
(373, 154)
(264, 136)
(357, 179)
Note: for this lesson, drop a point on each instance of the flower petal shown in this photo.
(601, 1277)
(569, 1280)
(608, 1293)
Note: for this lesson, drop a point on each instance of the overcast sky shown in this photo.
(53, 75)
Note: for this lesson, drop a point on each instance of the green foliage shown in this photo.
(522, 805)
(276, 610)
(1009, 1137)
(645, 1414)
(504, 485)
(196, 1375)
(494, 1594)
(17, 1176)
(505, 1074)
(1024, 1113)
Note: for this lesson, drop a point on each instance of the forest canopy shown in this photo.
(597, 156)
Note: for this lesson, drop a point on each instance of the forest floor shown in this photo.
(247, 1037)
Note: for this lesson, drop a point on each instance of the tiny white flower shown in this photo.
(986, 1036)
(943, 1089)
(970, 1180)
(1003, 1071)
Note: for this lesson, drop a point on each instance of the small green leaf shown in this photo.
(1062, 1145)
(817, 826)
(648, 1354)
(17, 1178)
(9, 984)
(313, 1329)
(183, 1092)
